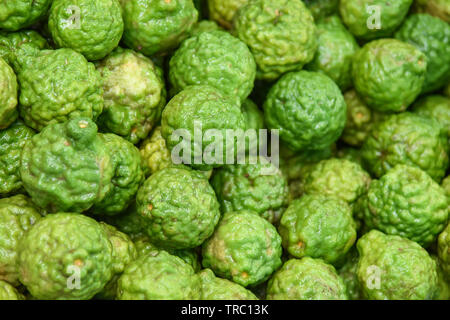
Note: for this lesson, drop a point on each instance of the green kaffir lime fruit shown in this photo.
(444, 250)
(319, 227)
(254, 121)
(348, 273)
(394, 268)
(306, 279)
(123, 253)
(154, 153)
(214, 288)
(12, 141)
(8, 292)
(388, 74)
(128, 175)
(371, 19)
(223, 11)
(91, 27)
(158, 276)
(443, 292)
(431, 36)
(18, 14)
(204, 26)
(334, 55)
(57, 85)
(360, 119)
(179, 208)
(67, 167)
(201, 116)
(216, 59)
(8, 95)
(244, 248)
(157, 26)
(307, 108)
(65, 256)
(256, 185)
(11, 42)
(281, 34)
(437, 8)
(434, 106)
(406, 202)
(409, 139)
(17, 215)
(134, 94)
(322, 8)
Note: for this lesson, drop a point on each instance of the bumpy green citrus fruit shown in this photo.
(65, 256)
(128, 222)
(281, 35)
(11, 42)
(388, 74)
(18, 14)
(409, 139)
(431, 36)
(66, 167)
(395, 268)
(348, 273)
(223, 11)
(159, 276)
(349, 153)
(204, 26)
(434, 106)
(322, 8)
(8, 292)
(306, 279)
(154, 153)
(444, 250)
(157, 26)
(244, 248)
(443, 292)
(8, 95)
(308, 108)
(437, 8)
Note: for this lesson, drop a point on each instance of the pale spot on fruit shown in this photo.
(78, 263)
(83, 124)
(150, 207)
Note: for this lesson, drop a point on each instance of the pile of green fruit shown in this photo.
(98, 202)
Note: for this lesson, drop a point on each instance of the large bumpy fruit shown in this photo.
(308, 108)
(281, 35)
(179, 208)
(224, 11)
(213, 58)
(436, 107)
(17, 216)
(201, 116)
(444, 250)
(154, 153)
(406, 202)
(204, 26)
(56, 85)
(8, 292)
(409, 139)
(395, 268)
(11, 42)
(371, 19)
(256, 186)
(306, 279)
(322, 8)
(319, 227)
(431, 36)
(134, 94)
(65, 256)
(214, 288)
(244, 248)
(437, 8)
(157, 26)
(8, 95)
(127, 177)
(66, 167)
(12, 141)
(388, 74)
(336, 47)
(18, 14)
(94, 31)
(159, 276)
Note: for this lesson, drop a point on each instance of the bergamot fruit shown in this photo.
(223, 11)
(11, 42)
(19, 14)
(8, 95)
(348, 273)
(322, 8)
(436, 107)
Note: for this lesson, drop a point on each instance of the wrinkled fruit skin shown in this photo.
(444, 250)
(223, 11)
(57, 85)
(306, 279)
(360, 17)
(395, 268)
(213, 58)
(154, 153)
(281, 34)
(204, 26)
(8, 95)
(179, 208)
(256, 186)
(134, 94)
(308, 108)
(244, 248)
(157, 26)
(437, 8)
(322, 8)
(436, 107)
(431, 36)
(319, 227)
(99, 29)
(388, 74)
(58, 244)
(409, 139)
(12, 141)
(66, 167)
(8, 292)
(17, 215)
(348, 273)
(18, 14)
(158, 276)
